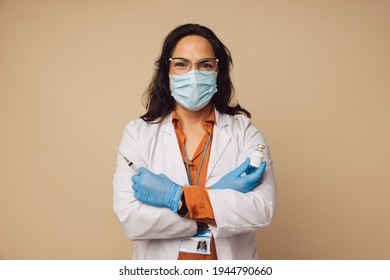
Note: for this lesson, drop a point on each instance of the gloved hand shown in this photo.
(156, 190)
(235, 181)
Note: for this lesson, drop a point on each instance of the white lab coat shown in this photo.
(157, 232)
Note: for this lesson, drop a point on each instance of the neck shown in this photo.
(192, 118)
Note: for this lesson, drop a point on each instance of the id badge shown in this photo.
(198, 244)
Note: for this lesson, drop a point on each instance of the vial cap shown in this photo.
(260, 147)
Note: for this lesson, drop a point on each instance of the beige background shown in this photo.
(314, 74)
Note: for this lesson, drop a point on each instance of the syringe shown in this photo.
(129, 163)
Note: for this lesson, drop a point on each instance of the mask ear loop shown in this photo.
(201, 163)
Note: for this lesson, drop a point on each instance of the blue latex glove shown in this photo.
(156, 190)
(235, 181)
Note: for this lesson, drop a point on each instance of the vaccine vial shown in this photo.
(256, 159)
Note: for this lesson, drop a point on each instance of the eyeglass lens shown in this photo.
(183, 65)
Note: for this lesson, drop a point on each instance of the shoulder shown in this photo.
(235, 122)
(137, 124)
(240, 129)
(141, 127)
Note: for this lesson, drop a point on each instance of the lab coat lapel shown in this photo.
(220, 141)
(171, 147)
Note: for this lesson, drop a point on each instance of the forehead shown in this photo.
(193, 47)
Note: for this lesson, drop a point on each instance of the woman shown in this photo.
(192, 147)
(202, 246)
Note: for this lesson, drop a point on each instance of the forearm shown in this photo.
(237, 212)
(142, 221)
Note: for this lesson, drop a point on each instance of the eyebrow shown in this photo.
(184, 58)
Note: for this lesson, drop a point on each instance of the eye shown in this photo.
(180, 63)
(207, 64)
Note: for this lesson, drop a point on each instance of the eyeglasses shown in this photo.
(181, 65)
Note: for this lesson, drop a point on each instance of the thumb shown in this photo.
(242, 168)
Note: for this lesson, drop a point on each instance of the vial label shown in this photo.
(256, 160)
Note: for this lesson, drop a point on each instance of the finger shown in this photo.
(137, 195)
(135, 187)
(136, 178)
(241, 169)
(263, 166)
(256, 176)
(259, 171)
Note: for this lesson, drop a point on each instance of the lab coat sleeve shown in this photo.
(237, 212)
(139, 220)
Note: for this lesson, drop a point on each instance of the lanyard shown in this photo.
(201, 163)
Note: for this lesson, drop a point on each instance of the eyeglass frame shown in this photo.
(196, 63)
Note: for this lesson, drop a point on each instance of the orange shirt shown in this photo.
(196, 197)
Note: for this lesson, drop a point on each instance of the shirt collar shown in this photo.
(210, 120)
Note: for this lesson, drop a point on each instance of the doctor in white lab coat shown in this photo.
(242, 204)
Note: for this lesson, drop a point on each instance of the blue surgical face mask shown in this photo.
(193, 90)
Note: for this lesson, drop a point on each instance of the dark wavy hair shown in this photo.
(157, 97)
